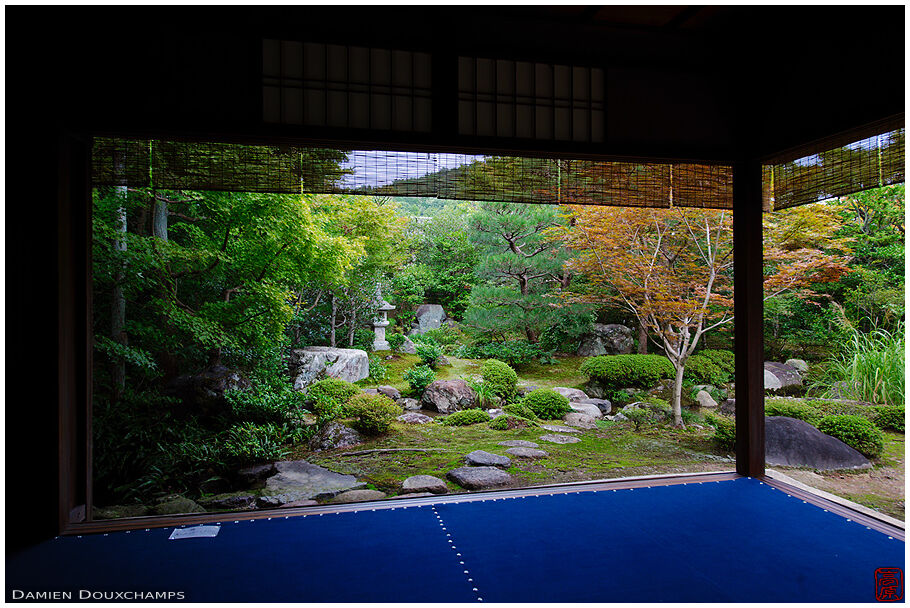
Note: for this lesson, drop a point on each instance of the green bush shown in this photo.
(395, 340)
(724, 430)
(516, 353)
(519, 409)
(621, 371)
(374, 413)
(724, 359)
(546, 404)
(889, 417)
(264, 404)
(639, 417)
(465, 417)
(328, 397)
(500, 377)
(859, 433)
(507, 422)
(379, 371)
(444, 336)
(794, 410)
(703, 370)
(363, 339)
(429, 353)
(871, 368)
(419, 378)
(249, 443)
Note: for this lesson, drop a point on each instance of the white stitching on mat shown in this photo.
(442, 524)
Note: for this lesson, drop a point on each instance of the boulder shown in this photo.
(728, 407)
(780, 377)
(518, 443)
(479, 478)
(495, 412)
(205, 391)
(334, 435)
(771, 382)
(358, 496)
(581, 421)
(572, 394)
(704, 399)
(251, 475)
(424, 484)
(412, 495)
(801, 366)
(300, 480)
(586, 408)
(480, 458)
(447, 396)
(796, 443)
(611, 339)
(174, 504)
(214, 485)
(603, 405)
(408, 347)
(236, 501)
(409, 404)
(617, 417)
(428, 316)
(558, 428)
(560, 439)
(414, 418)
(307, 365)
(299, 503)
(441, 361)
(119, 511)
(389, 391)
(529, 453)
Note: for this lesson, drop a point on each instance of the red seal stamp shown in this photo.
(889, 584)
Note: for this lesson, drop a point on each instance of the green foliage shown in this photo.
(546, 404)
(870, 368)
(374, 413)
(520, 409)
(429, 353)
(363, 339)
(516, 353)
(855, 431)
(395, 340)
(508, 422)
(890, 417)
(724, 359)
(710, 367)
(464, 417)
(501, 378)
(486, 394)
(724, 430)
(419, 378)
(793, 410)
(639, 417)
(565, 331)
(379, 371)
(329, 396)
(444, 336)
(620, 371)
(265, 405)
(250, 443)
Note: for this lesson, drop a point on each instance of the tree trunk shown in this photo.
(531, 334)
(159, 219)
(332, 321)
(642, 339)
(677, 395)
(353, 326)
(118, 306)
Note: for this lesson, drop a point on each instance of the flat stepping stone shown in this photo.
(480, 458)
(424, 484)
(414, 418)
(359, 496)
(518, 443)
(300, 480)
(479, 478)
(558, 428)
(562, 439)
(527, 453)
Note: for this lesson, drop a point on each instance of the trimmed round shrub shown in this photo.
(546, 404)
(519, 409)
(724, 430)
(395, 340)
(622, 371)
(374, 413)
(794, 410)
(499, 377)
(419, 378)
(429, 353)
(890, 417)
(857, 432)
(703, 370)
(465, 417)
(507, 422)
(328, 397)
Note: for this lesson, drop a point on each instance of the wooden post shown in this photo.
(748, 331)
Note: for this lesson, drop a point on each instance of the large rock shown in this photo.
(800, 365)
(335, 435)
(529, 453)
(428, 316)
(409, 404)
(603, 405)
(704, 399)
(447, 396)
(422, 484)
(728, 407)
(237, 501)
(780, 377)
(581, 421)
(479, 478)
(586, 408)
(613, 339)
(560, 439)
(250, 475)
(796, 443)
(174, 504)
(408, 347)
(307, 365)
(300, 480)
(414, 418)
(358, 496)
(205, 391)
(389, 391)
(572, 394)
(480, 458)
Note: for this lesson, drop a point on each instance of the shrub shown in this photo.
(395, 340)
(465, 417)
(328, 397)
(363, 339)
(444, 336)
(794, 410)
(519, 409)
(724, 430)
(507, 422)
(374, 413)
(620, 371)
(703, 370)
(379, 371)
(264, 404)
(857, 432)
(419, 378)
(250, 443)
(516, 353)
(429, 353)
(889, 417)
(724, 359)
(639, 417)
(546, 404)
(500, 377)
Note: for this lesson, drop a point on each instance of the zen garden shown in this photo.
(264, 350)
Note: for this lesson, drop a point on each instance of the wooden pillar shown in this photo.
(748, 332)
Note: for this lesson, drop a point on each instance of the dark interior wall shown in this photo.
(671, 92)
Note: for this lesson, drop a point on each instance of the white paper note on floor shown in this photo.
(195, 532)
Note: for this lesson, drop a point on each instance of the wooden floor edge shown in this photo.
(621, 483)
(839, 507)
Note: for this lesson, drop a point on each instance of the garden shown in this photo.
(263, 350)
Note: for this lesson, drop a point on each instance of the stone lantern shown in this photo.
(380, 323)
